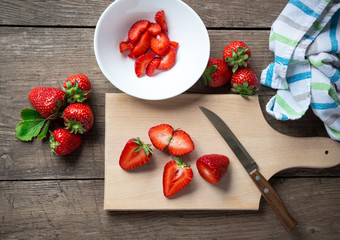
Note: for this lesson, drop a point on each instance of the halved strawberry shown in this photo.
(123, 46)
(160, 43)
(160, 136)
(180, 144)
(151, 68)
(154, 29)
(143, 44)
(212, 167)
(137, 28)
(160, 19)
(142, 62)
(168, 61)
(176, 176)
(135, 154)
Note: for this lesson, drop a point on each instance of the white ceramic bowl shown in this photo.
(184, 27)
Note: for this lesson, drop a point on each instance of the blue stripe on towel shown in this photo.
(269, 75)
(336, 76)
(281, 60)
(304, 8)
(332, 31)
(298, 77)
(324, 106)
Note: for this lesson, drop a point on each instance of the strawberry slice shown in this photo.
(135, 154)
(174, 44)
(154, 29)
(142, 62)
(123, 46)
(160, 19)
(168, 61)
(160, 43)
(212, 167)
(176, 176)
(160, 136)
(180, 143)
(131, 45)
(137, 28)
(142, 45)
(151, 68)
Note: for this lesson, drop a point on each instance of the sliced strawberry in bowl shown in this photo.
(180, 144)
(168, 61)
(142, 45)
(142, 62)
(160, 43)
(160, 19)
(137, 29)
(151, 68)
(160, 136)
(123, 45)
(176, 176)
(154, 29)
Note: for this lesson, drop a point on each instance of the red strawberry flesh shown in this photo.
(168, 61)
(160, 43)
(180, 144)
(142, 45)
(137, 28)
(151, 68)
(160, 19)
(142, 62)
(160, 136)
(176, 176)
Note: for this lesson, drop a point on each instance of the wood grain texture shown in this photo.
(64, 209)
(214, 13)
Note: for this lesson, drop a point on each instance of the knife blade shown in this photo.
(267, 191)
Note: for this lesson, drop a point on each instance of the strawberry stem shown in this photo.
(180, 162)
(142, 145)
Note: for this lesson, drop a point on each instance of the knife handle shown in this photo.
(274, 200)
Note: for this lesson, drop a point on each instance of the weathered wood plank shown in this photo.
(73, 209)
(46, 56)
(214, 13)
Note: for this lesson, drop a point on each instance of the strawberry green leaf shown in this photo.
(28, 129)
(30, 114)
(45, 130)
(207, 74)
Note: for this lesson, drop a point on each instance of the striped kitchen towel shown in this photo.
(305, 39)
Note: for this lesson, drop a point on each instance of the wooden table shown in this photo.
(48, 197)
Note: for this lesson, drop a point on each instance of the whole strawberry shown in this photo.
(47, 101)
(216, 73)
(63, 142)
(78, 87)
(244, 81)
(236, 54)
(212, 167)
(78, 118)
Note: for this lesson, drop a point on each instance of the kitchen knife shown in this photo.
(251, 167)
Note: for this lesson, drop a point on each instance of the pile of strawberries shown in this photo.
(51, 104)
(234, 67)
(150, 45)
(176, 173)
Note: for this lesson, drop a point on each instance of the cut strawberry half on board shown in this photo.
(180, 144)
(160, 19)
(212, 167)
(142, 62)
(168, 61)
(137, 28)
(160, 136)
(176, 176)
(160, 43)
(154, 29)
(135, 154)
(151, 68)
(142, 45)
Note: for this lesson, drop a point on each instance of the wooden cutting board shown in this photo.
(141, 188)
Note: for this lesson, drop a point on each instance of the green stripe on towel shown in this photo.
(283, 39)
(285, 106)
(326, 87)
